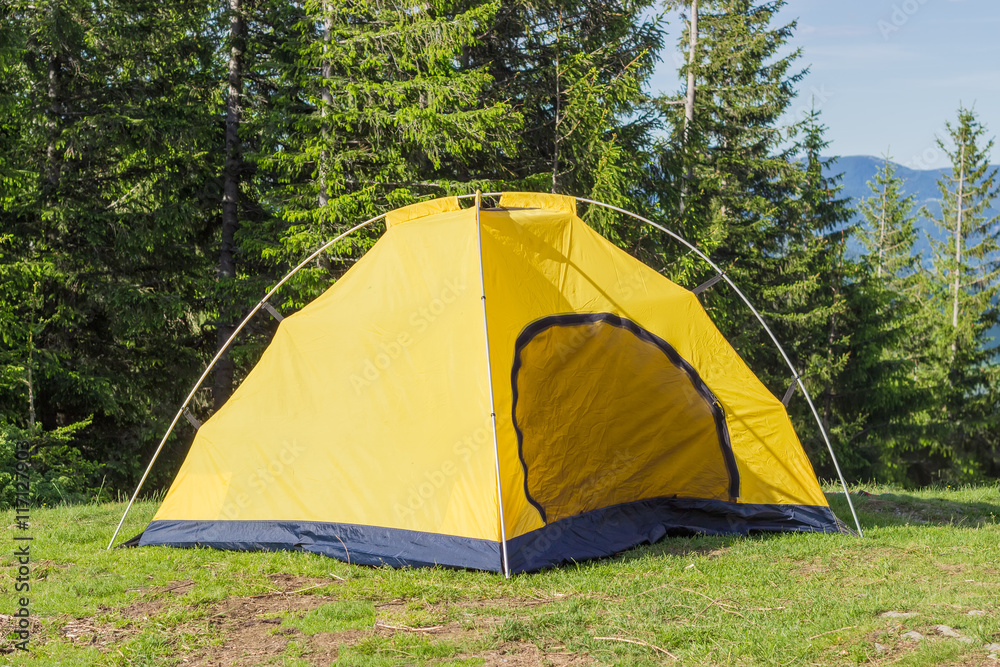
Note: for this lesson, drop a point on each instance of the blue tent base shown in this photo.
(613, 529)
(594, 534)
(363, 545)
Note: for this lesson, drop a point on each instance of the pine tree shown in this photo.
(961, 292)
(577, 72)
(736, 166)
(107, 219)
(891, 339)
(371, 110)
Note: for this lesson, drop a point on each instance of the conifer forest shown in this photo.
(164, 164)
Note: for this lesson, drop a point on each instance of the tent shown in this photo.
(492, 388)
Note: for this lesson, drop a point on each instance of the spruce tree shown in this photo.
(370, 110)
(891, 338)
(577, 72)
(736, 165)
(736, 152)
(961, 291)
(809, 306)
(969, 260)
(888, 233)
(107, 222)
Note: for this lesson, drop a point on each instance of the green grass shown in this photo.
(769, 600)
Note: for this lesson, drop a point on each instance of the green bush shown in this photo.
(59, 473)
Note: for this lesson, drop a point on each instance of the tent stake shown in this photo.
(489, 382)
(218, 356)
(798, 379)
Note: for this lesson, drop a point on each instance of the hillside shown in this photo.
(857, 170)
(918, 589)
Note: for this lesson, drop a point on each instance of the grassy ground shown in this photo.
(772, 599)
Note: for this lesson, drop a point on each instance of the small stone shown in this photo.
(977, 612)
(879, 648)
(992, 647)
(898, 614)
(913, 635)
(966, 640)
(946, 631)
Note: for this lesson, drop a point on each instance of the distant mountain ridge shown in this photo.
(858, 170)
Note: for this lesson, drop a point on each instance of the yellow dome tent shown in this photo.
(492, 388)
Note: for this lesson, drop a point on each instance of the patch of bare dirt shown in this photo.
(324, 647)
(810, 568)
(249, 629)
(288, 583)
(245, 625)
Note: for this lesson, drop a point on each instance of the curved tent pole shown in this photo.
(673, 235)
(489, 382)
(218, 356)
(774, 339)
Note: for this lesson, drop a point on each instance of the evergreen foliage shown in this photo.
(889, 335)
(960, 294)
(163, 164)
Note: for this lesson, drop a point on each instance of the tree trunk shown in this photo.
(881, 233)
(30, 379)
(689, 96)
(230, 197)
(52, 150)
(832, 336)
(326, 71)
(692, 46)
(555, 148)
(959, 206)
(958, 239)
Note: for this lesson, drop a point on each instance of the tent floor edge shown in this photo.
(350, 543)
(132, 542)
(614, 529)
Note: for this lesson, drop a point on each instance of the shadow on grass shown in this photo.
(707, 546)
(883, 510)
(898, 509)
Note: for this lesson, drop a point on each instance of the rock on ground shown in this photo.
(946, 631)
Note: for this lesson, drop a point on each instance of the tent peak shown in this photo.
(541, 200)
(508, 201)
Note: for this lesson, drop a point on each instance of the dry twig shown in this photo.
(640, 643)
(823, 634)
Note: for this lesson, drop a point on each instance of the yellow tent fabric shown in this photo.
(365, 431)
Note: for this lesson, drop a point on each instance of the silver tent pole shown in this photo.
(489, 381)
(218, 356)
(774, 339)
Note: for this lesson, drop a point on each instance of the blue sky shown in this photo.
(886, 75)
